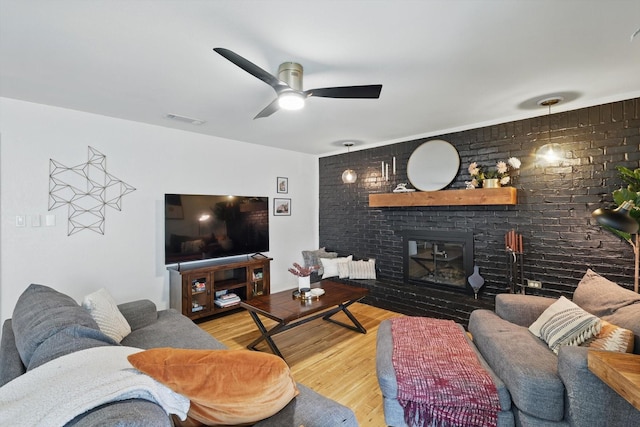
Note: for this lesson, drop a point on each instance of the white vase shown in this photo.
(304, 282)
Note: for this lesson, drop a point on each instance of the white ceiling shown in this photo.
(444, 64)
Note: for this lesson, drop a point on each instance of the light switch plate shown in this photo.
(50, 220)
(21, 220)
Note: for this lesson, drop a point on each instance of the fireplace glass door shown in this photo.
(441, 259)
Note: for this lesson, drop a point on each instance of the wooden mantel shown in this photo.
(478, 196)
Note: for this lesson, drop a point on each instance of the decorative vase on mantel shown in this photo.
(304, 282)
(491, 183)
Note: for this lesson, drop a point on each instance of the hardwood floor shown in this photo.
(332, 360)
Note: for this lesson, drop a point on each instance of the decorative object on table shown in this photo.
(402, 188)
(349, 176)
(476, 281)
(484, 177)
(303, 274)
(86, 190)
(308, 293)
(624, 221)
(514, 249)
(281, 207)
(433, 165)
(305, 293)
(282, 185)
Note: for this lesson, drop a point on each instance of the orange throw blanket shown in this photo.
(440, 379)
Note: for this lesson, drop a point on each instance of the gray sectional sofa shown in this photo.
(537, 387)
(150, 329)
(548, 389)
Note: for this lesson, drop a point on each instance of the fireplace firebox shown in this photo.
(438, 258)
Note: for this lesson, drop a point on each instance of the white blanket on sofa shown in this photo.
(56, 392)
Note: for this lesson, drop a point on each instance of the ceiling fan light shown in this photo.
(291, 101)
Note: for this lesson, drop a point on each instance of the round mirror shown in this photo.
(433, 165)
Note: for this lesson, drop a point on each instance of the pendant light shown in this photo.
(349, 176)
(550, 152)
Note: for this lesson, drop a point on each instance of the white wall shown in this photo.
(128, 260)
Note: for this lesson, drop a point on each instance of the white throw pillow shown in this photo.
(564, 323)
(105, 312)
(343, 270)
(330, 266)
(362, 269)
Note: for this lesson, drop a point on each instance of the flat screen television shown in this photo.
(201, 227)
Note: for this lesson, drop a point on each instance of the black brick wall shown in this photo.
(553, 212)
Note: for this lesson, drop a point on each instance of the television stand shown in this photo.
(206, 290)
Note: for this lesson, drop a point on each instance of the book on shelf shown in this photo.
(225, 300)
(198, 286)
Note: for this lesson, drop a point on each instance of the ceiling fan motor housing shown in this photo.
(291, 74)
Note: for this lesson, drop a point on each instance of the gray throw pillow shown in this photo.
(601, 296)
(312, 258)
(40, 314)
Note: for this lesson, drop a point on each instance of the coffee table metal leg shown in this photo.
(343, 307)
(265, 335)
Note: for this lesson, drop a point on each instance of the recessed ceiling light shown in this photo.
(185, 119)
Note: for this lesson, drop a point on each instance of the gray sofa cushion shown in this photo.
(171, 329)
(310, 409)
(523, 362)
(611, 302)
(139, 313)
(124, 413)
(48, 324)
(11, 365)
(68, 340)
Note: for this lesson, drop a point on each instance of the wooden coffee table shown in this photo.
(290, 311)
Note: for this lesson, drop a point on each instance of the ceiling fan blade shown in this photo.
(252, 69)
(367, 91)
(268, 110)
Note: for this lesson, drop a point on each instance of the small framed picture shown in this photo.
(283, 185)
(281, 207)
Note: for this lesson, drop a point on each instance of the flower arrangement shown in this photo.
(300, 271)
(501, 172)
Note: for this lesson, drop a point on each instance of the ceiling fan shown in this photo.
(288, 85)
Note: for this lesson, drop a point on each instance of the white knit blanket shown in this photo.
(56, 392)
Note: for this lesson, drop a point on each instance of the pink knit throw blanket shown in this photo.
(440, 379)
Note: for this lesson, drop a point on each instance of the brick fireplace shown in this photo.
(553, 212)
(434, 258)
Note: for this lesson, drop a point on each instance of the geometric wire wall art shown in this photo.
(87, 190)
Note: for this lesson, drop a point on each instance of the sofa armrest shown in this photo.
(139, 313)
(589, 401)
(10, 363)
(520, 309)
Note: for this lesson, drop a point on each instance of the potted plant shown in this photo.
(303, 274)
(492, 178)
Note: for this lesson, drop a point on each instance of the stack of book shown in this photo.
(227, 300)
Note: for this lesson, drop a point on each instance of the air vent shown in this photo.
(185, 119)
